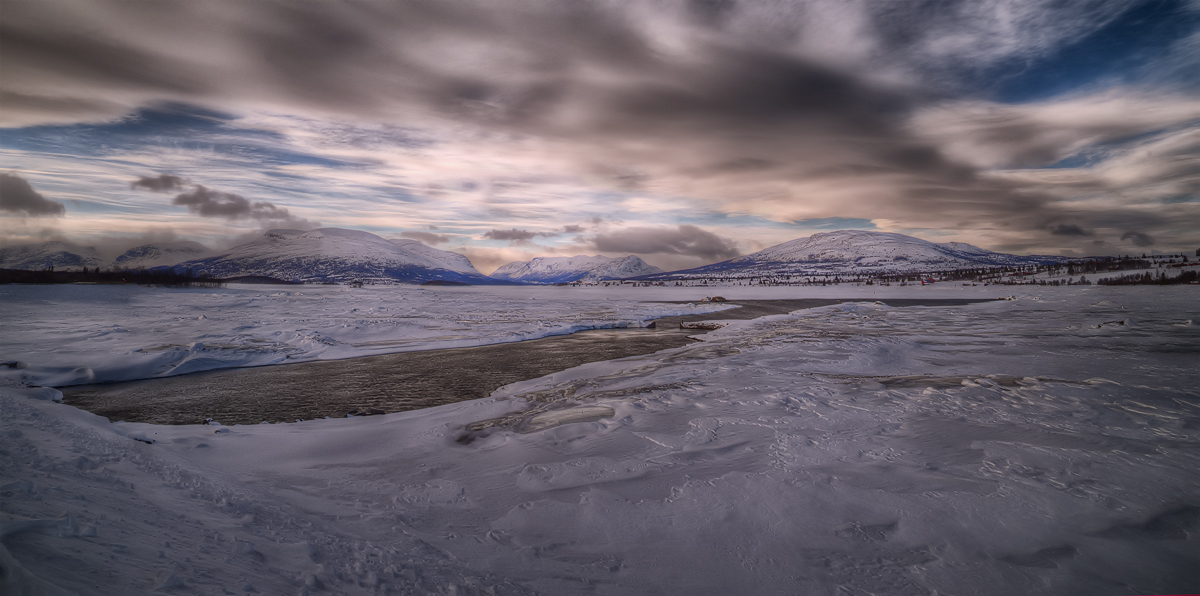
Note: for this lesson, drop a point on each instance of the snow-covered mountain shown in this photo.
(63, 256)
(859, 252)
(553, 270)
(337, 255)
(159, 254)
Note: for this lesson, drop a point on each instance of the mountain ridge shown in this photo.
(337, 255)
(845, 252)
(158, 254)
(552, 270)
(63, 256)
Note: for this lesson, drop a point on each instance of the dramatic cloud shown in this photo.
(939, 115)
(1138, 238)
(160, 183)
(1069, 230)
(426, 237)
(17, 196)
(517, 235)
(211, 203)
(682, 240)
(988, 134)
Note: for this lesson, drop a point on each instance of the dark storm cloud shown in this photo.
(1138, 238)
(426, 237)
(711, 12)
(211, 203)
(1069, 230)
(17, 196)
(517, 235)
(159, 183)
(686, 240)
(572, 229)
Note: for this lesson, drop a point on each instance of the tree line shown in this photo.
(152, 277)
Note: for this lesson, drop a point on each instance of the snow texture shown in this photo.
(556, 270)
(1041, 445)
(850, 252)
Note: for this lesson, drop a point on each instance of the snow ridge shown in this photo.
(553, 270)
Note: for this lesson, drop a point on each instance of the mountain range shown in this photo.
(857, 252)
(63, 256)
(339, 256)
(148, 256)
(555, 270)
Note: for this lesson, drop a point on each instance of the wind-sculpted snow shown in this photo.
(1042, 445)
(553, 270)
(68, 334)
(337, 255)
(854, 252)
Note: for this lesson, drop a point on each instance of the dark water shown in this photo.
(395, 382)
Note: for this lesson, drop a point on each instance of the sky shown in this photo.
(686, 132)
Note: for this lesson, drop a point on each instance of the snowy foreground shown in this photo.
(1043, 445)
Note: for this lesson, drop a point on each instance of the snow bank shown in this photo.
(1015, 447)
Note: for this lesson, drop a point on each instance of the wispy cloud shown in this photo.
(518, 235)
(426, 237)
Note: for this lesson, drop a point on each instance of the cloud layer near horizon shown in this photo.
(700, 125)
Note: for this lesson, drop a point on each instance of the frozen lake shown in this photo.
(396, 382)
(1042, 445)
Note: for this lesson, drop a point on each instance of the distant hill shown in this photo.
(857, 252)
(554, 270)
(338, 255)
(147, 256)
(62, 256)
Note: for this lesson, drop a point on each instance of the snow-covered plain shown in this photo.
(1043, 445)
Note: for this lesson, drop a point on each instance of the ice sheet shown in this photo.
(1042, 445)
(69, 335)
